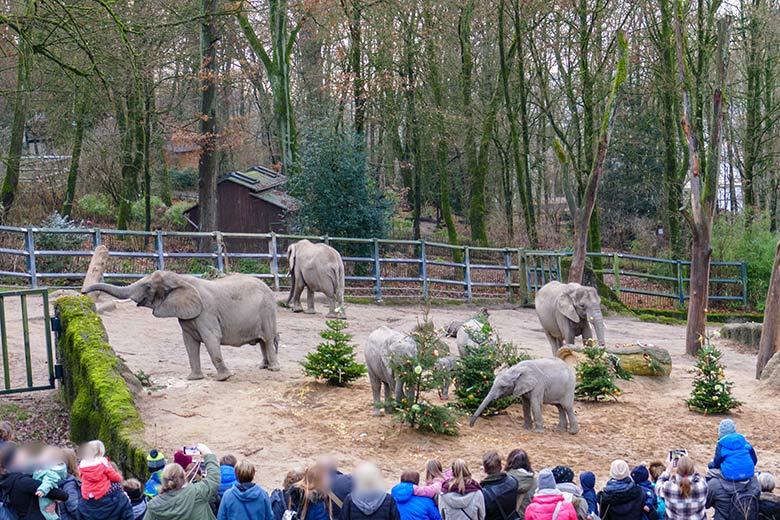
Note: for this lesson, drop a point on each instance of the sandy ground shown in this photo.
(283, 420)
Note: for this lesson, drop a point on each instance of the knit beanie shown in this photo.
(587, 480)
(155, 461)
(182, 459)
(546, 480)
(727, 427)
(562, 474)
(640, 474)
(619, 470)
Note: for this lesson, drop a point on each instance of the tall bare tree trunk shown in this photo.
(770, 332)
(207, 163)
(80, 116)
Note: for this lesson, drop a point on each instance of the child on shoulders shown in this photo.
(51, 470)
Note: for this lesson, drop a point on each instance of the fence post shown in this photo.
(219, 248)
(680, 288)
(160, 250)
(744, 285)
(522, 264)
(423, 270)
(29, 244)
(557, 266)
(377, 272)
(616, 274)
(508, 273)
(467, 273)
(325, 240)
(97, 238)
(274, 260)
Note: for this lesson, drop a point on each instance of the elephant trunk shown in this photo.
(597, 322)
(485, 402)
(117, 292)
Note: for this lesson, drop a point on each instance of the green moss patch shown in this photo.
(101, 404)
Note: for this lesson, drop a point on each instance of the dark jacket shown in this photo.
(411, 507)
(245, 502)
(724, 496)
(20, 490)
(112, 506)
(621, 500)
(588, 483)
(341, 487)
(768, 506)
(373, 505)
(650, 500)
(735, 457)
(67, 510)
(526, 485)
(500, 492)
(317, 509)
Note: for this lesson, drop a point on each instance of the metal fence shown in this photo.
(375, 268)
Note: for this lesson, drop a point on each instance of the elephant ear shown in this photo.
(565, 306)
(176, 298)
(525, 381)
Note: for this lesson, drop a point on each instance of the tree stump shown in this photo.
(97, 266)
(638, 360)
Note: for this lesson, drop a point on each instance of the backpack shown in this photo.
(278, 504)
(744, 504)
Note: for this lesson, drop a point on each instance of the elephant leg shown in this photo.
(536, 409)
(555, 343)
(309, 301)
(444, 394)
(296, 297)
(270, 360)
(399, 391)
(574, 426)
(215, 353)
(568, 335)
(527, 419)
(332, 307)
(388, 396)
(376, 392)
(561, 418)
(193, 353)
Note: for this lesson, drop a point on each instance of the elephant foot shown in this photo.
(224, 375)
(376, 412)
(539, 429)
(574, 429)
(297, 308)
(560, 428)
(309, 311)
(335, 316)
(273, 368)
(528, 426)
(194, 376)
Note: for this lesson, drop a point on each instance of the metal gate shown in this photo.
(26, 342)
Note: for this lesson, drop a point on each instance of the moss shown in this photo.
(100, 402)
(713, 317)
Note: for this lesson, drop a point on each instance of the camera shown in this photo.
(191, 450)
(674, 456)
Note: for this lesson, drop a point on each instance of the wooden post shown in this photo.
(95, 271)
(272, 249)
(770, 332)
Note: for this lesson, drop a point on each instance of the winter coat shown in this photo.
(67, 510)
(588, 483)
(227, 477)
(721, 495)
(369, 505)
(190, 502)
(544, 503)
(139, 508)
(152, 486)
(20, 490)
(573, 494)
(500, 492)
(621, 500)
(526, 485)
(317, 509)
(650, 499)
(114, 505)
(411, 507)
(676, 505)
(432, 489)
(340, 488)
(735, 457)
(245, 502)
(768, 506)
(96, 477)
(470, 505)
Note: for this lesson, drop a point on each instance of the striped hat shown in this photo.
(155, 460)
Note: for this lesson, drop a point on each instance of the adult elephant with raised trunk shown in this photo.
(567, 310)
(234, 310)
(317, 268)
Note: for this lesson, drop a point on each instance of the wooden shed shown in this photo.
(253, 201)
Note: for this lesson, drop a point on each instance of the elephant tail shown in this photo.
(338, 283)
(276, 343)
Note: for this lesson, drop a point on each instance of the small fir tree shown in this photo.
(596, 375)
(711, 391)
(334, 359)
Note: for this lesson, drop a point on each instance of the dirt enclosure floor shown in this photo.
(283, 420)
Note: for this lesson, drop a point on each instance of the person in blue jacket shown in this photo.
(227, 473)
(588, 483)
(641, 477)
(734, 456)
(411, 507)
(245, 500)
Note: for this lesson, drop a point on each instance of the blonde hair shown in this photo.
(172, 478)
(685, 470)
(312, 487)
(131, 484)
(93, 450)
(433, 470)
(71, 462)
(460, 475)
(245, 471)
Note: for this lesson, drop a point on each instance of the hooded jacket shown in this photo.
(245, 502)
(573, 494)
(735, 457)
(111, 506)
(373, 504)
(500, 492)
(96, 477)
(588, 483)
(67, 510)
(340, 487)
(190, 502)
(526, 485)
(227, 477)
(411, 507)
(768, 506)
(470, 505)
(544, 503)
(20, 490)
(721, 494)
(152, 486)
(621, 500)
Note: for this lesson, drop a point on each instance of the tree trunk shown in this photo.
(125, 109)
(477, 209)
(466, 87)
(355, 64)
(770, 331)
(207, 163)
(75, 154)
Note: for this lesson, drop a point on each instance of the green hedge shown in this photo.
(101, 404)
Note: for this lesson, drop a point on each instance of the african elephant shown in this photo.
(463, 339)
(567, 310)
(234, 310)
(317, 267)
(385, 345)
(536, 382)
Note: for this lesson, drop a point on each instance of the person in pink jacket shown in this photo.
(549, 503)
(434, 478)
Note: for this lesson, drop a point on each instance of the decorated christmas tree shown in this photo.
(334, 359)
(596, 375)
(711, 391)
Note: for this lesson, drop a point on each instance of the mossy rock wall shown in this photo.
(100, 401)
(748, 334)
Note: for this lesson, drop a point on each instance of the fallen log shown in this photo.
(636, 359)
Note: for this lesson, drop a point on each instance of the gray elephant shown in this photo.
(470, 328)
(234, 310)
(446, 366)
(536, 382)
(383, 346)
(318, 268)
(567, 310)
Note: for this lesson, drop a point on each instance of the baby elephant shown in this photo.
(446, 366)
(385, 345)
(537, 382)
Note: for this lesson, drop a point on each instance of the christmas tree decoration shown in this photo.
(334, 359)
(711, 391)
(596, 375)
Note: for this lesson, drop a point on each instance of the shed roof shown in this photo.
(256, 179)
